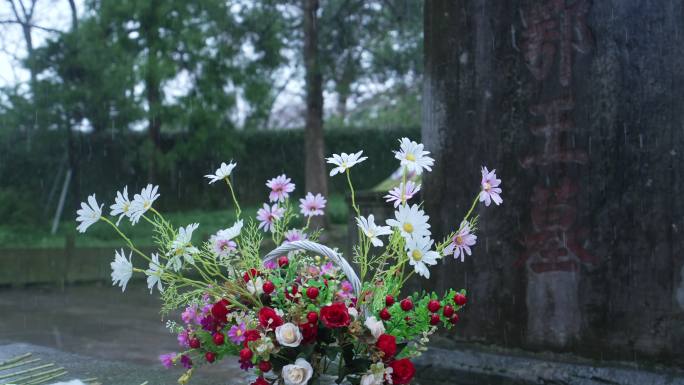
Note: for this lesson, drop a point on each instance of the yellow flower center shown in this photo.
(408, 227)
(487, 186)
(416, 255)
(411, 157)
(459, 240)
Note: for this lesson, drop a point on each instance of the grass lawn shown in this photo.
(101, 235)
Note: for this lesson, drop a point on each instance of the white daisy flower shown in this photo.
(413, 157)
(154, 274)
(222, 242)
(142, 202)
(88, 214)
(181, 248)
(121, 206)
(222, 172)
(122, 269)
(256, 286)
(371, 230)
(420, 255)
(345, 161)
(411, 221)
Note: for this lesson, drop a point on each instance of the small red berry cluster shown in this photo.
(434, 306)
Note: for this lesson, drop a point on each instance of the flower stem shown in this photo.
(128, 241)
(353, 194)
(235, 201)
(407, 277)
(403, 186)
(472, 207)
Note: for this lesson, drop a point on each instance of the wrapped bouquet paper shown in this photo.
(301, 312)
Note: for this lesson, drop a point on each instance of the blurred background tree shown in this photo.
(126, 92)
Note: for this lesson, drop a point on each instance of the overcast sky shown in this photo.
(53, 14)
(56, 14)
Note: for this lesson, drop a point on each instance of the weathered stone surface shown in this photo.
(480, 366)
(111, 372)
(579, 106)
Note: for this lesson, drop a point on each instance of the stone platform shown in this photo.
(96, 331)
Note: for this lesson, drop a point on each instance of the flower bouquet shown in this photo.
(299, 314)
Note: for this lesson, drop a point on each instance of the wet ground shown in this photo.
(96, 331)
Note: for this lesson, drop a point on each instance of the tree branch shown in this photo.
(31, 25)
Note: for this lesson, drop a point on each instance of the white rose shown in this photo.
(288, 335)
(297, 374)
(369, 379)
(353, 312)
(256, 286)
(376, 327)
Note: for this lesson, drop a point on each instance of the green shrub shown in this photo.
(109, 161)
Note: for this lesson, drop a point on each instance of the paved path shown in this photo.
(96, 331)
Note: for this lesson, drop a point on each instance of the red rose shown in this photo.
(265, 366)
(268, 287)
(402, 371)
(260, 381)
(220, 310)
(289, 294)
(252, 273)
(335, 315)
(251, 335)
(312, 317)
(387, 344)
(309, 332)
(210, 357)
(246, 354)
(269, 318)
(312, 293)
(460, 299)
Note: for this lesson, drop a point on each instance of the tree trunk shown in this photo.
(316, 177)
(74, 15)
(342, 98)
(153, 92)
(579, 106)
(73, 152)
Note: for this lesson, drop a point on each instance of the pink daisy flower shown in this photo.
(329, 269)
(167, 359)
(237, 333)
(312, 205)
(347, 290)
(268, 215)
(490, 188)
(186, 361)
(461, 243)
(281, 187)
(294, 235)
(395, 193)
(184, 338)
(190, 314)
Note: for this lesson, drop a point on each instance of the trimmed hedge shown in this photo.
(108, 162)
